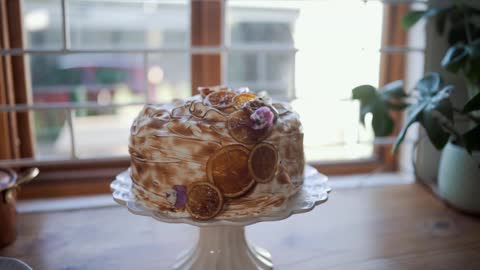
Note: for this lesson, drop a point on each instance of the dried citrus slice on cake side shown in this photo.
(240, 127)
(242, 98)
(220, 99)
(204, 200)
(263, 162)
(228, 170)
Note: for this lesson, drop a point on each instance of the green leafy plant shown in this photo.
(430, 104)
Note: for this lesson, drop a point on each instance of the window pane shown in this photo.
(168, 77)
(279, 67)
(332, 131)
(42, 22)
(94, 24)
(333, 57)
(50, 129)
(279, 74)
(102, 132)
(101, 78)
(243, 68)
(257, 22)
(263, 71)
(128, 24)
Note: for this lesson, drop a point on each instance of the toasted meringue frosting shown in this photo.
(250, 151)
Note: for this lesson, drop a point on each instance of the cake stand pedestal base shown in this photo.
(221, 242)
(224, 247)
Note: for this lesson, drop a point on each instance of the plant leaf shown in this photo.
(455, 58)
(472, 70)
(364, 93)
(437, 114)
(472, 105)
(458, 33)
(442, 95)
(431, 119)
(471, 10)
(412, 17)
(382, 123)
(433, 100)
(367, 95)
(413, 116)
(371, 102)
(441, 20)
(429, 84)
(364, 109)
(393, 90)
(474, 48)
(471, 139)
(398, 106)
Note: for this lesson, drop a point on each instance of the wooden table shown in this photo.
(396, 227)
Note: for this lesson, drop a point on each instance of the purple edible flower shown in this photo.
(262, 117)
(181, 196)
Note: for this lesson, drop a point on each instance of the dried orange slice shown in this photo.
(240, 127)
(205, 90)
(243, 98)
(220, 99)
(263, 162)
(204, 200)
(228, 170)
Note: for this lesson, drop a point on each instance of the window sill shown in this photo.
(355, 181)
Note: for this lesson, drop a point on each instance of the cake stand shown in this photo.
(222, 243)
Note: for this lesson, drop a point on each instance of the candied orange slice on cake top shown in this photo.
(204, 200)
(228, 170)
(240, 99)
(220, 99)
(205, 90)
(240, 127)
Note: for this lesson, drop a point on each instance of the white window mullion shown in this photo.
(146, 88)
(70, 114)
(262, 69)
(223, 44)
(65, 26)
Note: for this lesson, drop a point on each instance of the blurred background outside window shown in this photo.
(309, 52)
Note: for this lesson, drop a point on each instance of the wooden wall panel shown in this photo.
(8, 130)
(392, 68)
(206, 23)
(21, 80)
(206, 70)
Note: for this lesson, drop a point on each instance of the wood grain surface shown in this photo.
(396, 227)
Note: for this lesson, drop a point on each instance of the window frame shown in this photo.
(14, 74)
(93, 176)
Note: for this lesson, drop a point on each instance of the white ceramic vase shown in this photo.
(459, 178)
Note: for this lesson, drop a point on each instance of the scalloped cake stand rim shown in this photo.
(314, 192)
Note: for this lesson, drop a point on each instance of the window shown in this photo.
(83, 68)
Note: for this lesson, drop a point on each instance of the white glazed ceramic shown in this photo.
(13, 264)
(222, 243)
(459, 178)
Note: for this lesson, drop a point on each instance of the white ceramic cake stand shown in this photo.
(222, 243)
